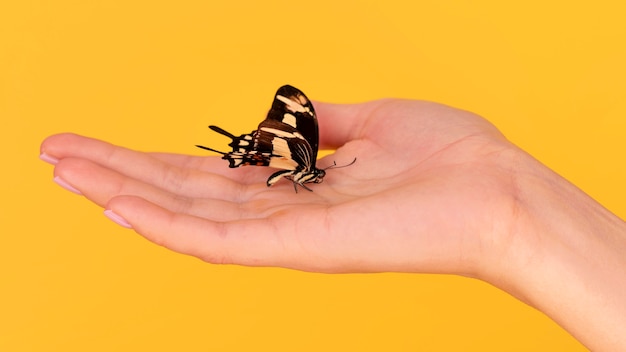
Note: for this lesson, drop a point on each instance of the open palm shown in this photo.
(431, 188)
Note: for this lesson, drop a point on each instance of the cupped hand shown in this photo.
(432, 190)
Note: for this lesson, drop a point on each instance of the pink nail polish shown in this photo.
(117, 219)
(49, 159)
(61, 182)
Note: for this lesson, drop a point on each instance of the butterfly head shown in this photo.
(314, 175)
(320, 176)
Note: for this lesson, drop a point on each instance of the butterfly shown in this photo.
(287, 139)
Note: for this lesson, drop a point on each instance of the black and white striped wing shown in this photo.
(296, 115)
(287, 139)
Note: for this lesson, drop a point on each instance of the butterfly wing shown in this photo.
(296, 114)
(287, 138)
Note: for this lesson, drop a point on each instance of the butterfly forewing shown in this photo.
(292, 108)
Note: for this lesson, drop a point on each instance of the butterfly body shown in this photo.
(287, 139)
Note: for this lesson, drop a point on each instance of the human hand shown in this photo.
(434, 189)
(431, 191)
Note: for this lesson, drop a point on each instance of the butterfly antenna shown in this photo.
(334, 165)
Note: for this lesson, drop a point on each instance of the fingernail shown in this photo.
(61, 182)
(49, 159)
(117, 219)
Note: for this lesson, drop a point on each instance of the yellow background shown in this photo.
(152, 75)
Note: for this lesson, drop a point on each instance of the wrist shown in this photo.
(566, 256)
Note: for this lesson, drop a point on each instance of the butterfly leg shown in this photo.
(296, 184)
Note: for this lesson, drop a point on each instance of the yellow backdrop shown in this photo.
(152, 75)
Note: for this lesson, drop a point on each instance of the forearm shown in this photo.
(569, 259)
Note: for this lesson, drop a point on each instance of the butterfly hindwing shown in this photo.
(243, 152)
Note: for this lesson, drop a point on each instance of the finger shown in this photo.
(138, 165)
(200, 163)
(86, 174)
(100, 184)
(66, 145)
(219, 203)
(247, 242)
(218, 166)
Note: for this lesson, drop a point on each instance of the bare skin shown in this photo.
(434, 190)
